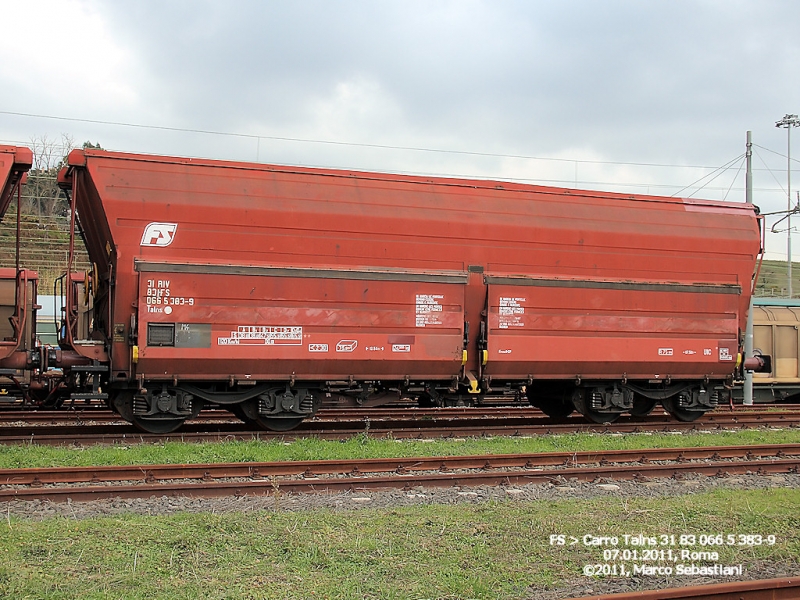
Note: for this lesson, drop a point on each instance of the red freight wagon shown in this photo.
(14, 164)
(20, 356)
(17, 287)
(263, 288)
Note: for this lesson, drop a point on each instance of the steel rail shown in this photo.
(377, 413)
(33, 476)
(371, 474)
(403, 429)
(419, 417)
(216, 415)
(785, 588)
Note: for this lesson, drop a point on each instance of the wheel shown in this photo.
(555, 408)
(579, 400)
(241, 414)
(122, 402)
(157, 426)
(601, 418)
(430, 399)
(425, 401)
(642, 406)
(687, 416)
(277, 423)
(553, 399)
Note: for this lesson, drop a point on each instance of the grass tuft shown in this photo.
(363, 446)
(499, 549)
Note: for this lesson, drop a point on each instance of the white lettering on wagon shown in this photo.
(401, 347)
(159, 234)
(159, 293)
(429, 309)
(318, 347)
(263, 335)
(509, 311)
(665, 351)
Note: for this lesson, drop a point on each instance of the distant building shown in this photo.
(48, 319)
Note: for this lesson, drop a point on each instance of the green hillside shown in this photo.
(772, 279)
(45, 246)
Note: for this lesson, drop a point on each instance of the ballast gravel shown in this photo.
(360, 499)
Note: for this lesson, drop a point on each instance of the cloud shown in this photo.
(65, 54)
(668, 82)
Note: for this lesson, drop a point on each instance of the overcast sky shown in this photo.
(630, 96)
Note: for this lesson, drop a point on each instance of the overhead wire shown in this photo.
(715, 172)
(718, 171)
(340, 143)
(739, 170)
(776, 153)
(771, 172)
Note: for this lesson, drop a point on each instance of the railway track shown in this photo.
(359, 475)
(400, 424)
(98, 414)
(95, 415)
(765, 589)
(412, 423)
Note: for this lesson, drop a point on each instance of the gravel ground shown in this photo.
(359, 499)
(356, 499)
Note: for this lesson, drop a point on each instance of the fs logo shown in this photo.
(159, 234)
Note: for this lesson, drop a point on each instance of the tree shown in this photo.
(43, 198)
(44, 217)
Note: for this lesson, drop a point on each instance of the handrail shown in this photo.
(19, 318)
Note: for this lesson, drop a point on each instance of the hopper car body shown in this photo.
(265, 288)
